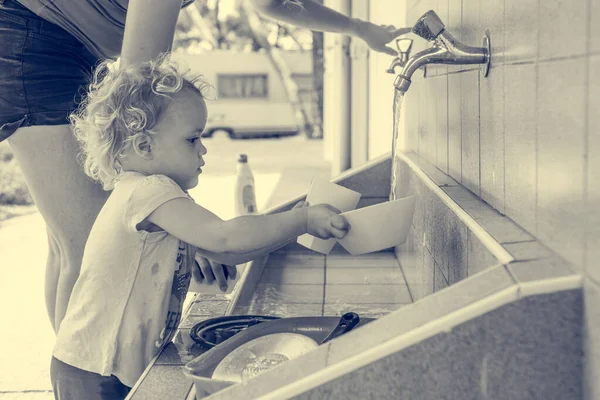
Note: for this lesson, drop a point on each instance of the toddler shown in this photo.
(140, 130)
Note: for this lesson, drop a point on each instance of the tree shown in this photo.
(204, 25)
(251, 18)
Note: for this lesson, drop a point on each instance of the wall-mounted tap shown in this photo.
(403, 45)
(445, 50)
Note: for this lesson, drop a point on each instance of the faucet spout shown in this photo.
(403, 45)
(397, 62)
(427, 56)
(445, 50)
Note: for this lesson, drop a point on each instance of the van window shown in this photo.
(242, 86)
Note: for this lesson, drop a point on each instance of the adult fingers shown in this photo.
(402, 31)
(219, 272)
(206, 270)
(389, 50)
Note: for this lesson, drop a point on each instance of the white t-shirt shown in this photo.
(127, 301)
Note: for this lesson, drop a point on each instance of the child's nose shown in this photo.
(203, 150)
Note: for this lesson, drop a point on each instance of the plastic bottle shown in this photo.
(245, 200)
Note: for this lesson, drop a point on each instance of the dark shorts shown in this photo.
(43, 70)
(70, 383)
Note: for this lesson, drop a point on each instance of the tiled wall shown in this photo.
(440, 249)
(523, 138)
(526, 139)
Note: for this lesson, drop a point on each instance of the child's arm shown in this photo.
(241, 258)
(244, 238)
(235, 259)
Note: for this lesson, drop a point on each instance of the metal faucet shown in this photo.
(403, 45)
(445, 50)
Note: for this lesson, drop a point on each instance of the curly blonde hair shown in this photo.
(121, 105)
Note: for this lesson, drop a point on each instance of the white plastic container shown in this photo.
(379, 226)
(245, 199)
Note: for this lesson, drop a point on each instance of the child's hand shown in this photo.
(324, 222)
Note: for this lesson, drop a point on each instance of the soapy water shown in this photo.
(364, 310)
(261, 364)
(398, 97)
(271, 300)
(268, 300)
(262, 354)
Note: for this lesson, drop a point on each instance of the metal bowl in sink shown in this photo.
(262, 354)
(263, 346)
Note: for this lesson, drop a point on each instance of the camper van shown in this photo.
(249, 99)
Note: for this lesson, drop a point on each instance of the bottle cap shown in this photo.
(243, 158)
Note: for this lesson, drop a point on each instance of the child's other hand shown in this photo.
(208, 271)
(324, 222)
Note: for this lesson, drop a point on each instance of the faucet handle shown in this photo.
(403, 45)
(429, 26)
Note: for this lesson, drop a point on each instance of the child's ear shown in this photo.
(142, 145)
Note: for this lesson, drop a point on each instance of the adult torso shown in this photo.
(98, 24)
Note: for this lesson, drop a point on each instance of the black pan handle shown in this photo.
(347, 322)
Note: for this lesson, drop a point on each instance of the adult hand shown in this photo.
(377, 36)
(208, 271)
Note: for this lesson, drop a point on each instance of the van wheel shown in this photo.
(222, 133)
(232, 134)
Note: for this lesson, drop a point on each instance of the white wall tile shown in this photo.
(491, 137)
(470, 130)
(520, 144)
(561, 149)
(563, 28)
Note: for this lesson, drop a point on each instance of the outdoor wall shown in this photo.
(525, 139)
(350, 108)
(336, 94)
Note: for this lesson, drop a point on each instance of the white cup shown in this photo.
(379, 226)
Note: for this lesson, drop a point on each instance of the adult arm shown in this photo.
(314, 16)
(311, 15)
(149, 29)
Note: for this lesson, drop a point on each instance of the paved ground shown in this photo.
(283, 169)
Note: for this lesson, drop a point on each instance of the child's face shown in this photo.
(177, 150)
